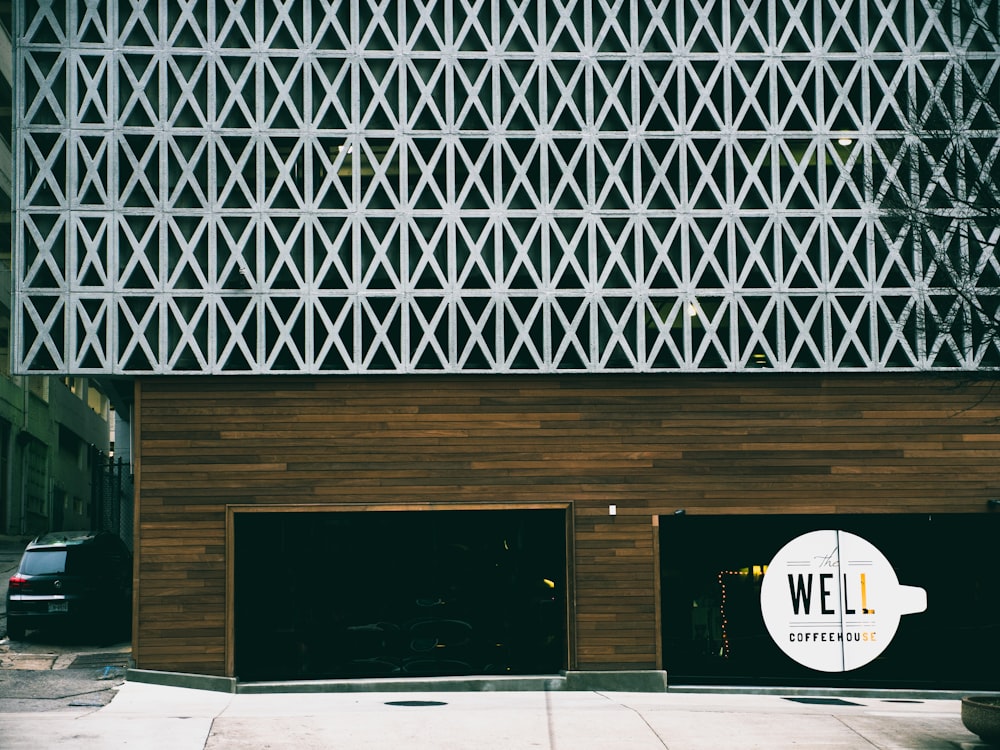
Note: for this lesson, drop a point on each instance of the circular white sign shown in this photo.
(832, 602)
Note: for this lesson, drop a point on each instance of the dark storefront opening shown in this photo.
(712, 568)
(399, 593)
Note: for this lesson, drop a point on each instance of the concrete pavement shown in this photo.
(152, 717)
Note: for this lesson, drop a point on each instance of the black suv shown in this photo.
(82, 577)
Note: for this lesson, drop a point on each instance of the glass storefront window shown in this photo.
(712, 568)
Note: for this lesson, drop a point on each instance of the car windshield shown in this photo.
(44, 562)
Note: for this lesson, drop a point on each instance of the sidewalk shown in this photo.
(152, 717)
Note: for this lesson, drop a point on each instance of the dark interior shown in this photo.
(713, 631)
(399, 594)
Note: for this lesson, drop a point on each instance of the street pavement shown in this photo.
(155, 717)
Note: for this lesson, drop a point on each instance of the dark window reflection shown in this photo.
(381, 594)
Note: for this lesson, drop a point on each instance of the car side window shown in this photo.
(82, 561)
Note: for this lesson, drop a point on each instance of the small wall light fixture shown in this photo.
(680, 512)
(993, 503)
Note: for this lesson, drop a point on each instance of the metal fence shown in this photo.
(113, 498)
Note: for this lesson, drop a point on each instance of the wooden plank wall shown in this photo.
(647, 444)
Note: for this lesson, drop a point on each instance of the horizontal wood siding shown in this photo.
(648, 444)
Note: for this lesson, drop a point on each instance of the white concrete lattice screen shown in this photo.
(309, 186)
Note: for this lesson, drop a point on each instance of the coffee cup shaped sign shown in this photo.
(832, 602)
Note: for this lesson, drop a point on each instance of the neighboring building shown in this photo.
(52, 430)
(514, 338)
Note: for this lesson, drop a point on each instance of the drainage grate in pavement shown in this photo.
(823, 701)
(416, 703)
(91, 661)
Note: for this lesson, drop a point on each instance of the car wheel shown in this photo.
(15, 628)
